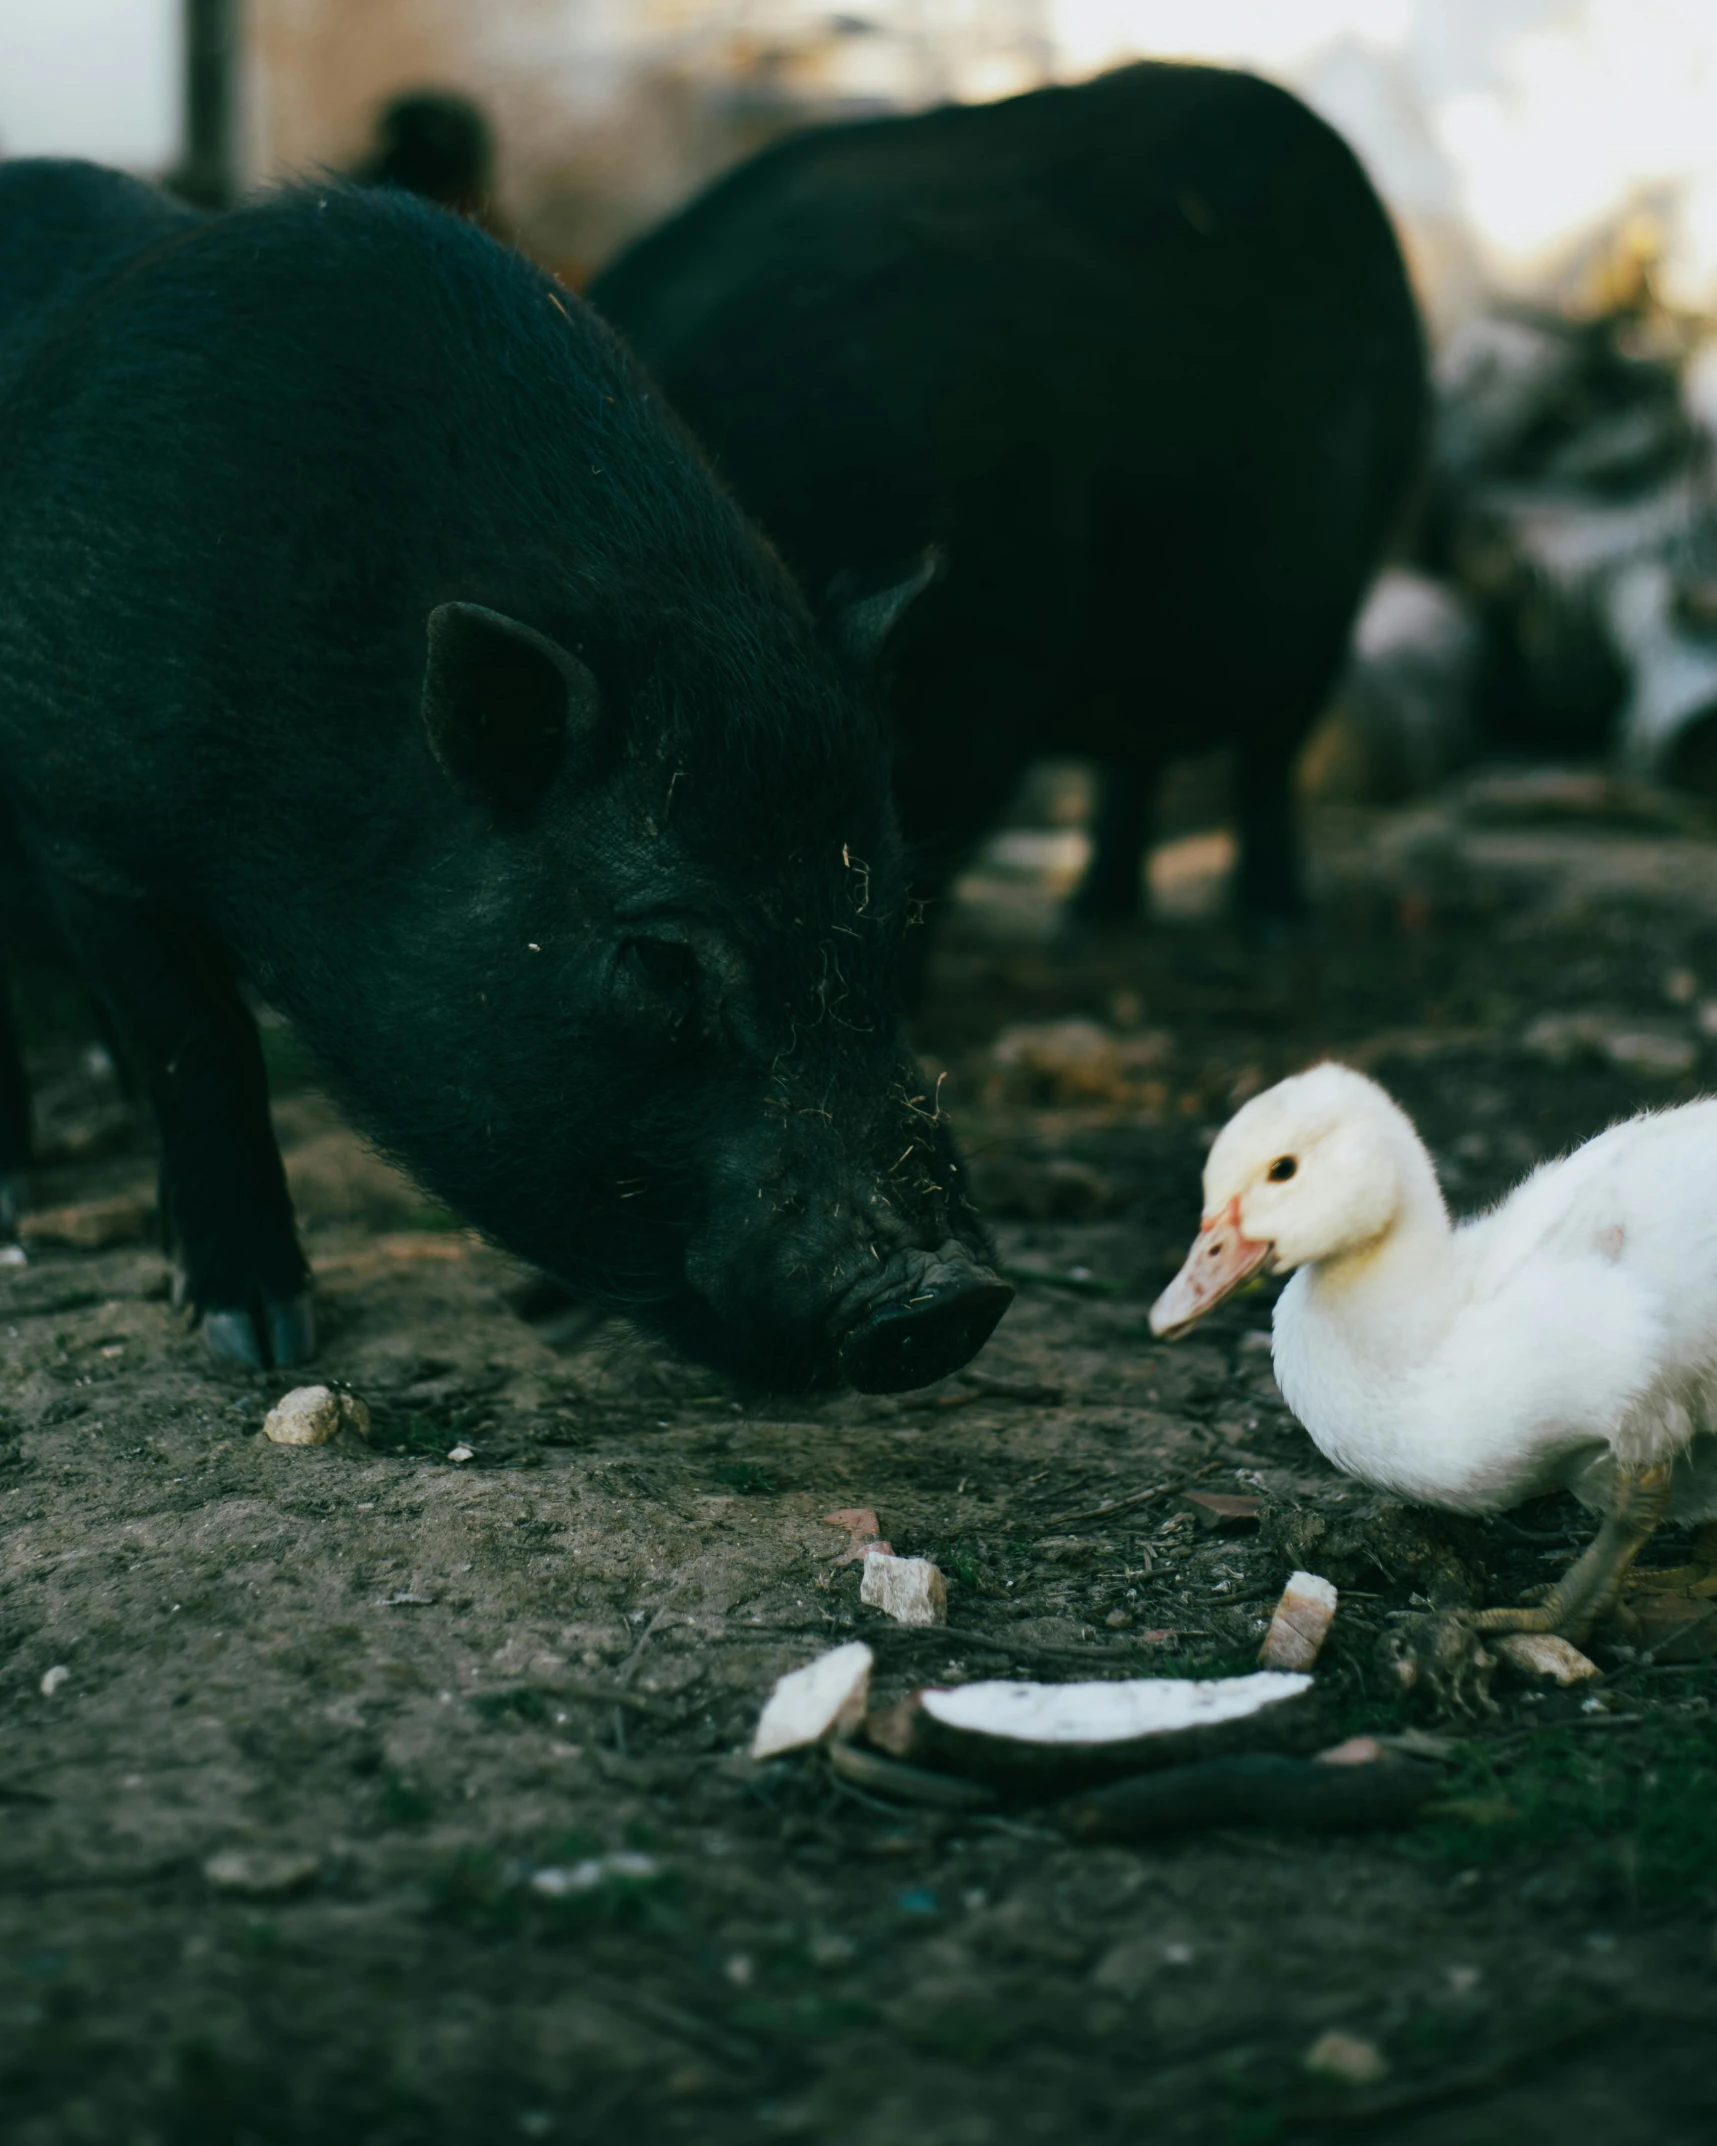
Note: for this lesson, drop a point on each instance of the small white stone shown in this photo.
(53, 1678)
(1347, 2058)
(307, 1416)
(1301, 1623)
(1544, 1658)
(312, 1415)
(260, 1871)
(825, 1698)
(909, 1589)
(559, 1881)
(460, 1454)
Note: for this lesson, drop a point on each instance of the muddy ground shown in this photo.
(268, 1847)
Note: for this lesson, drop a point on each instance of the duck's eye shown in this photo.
(1283, 1168)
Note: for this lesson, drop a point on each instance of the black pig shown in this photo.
(370, 635)
(1141, 358)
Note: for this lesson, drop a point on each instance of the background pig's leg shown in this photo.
(14, 1123)
(1271, 884)
(1112, 889)
(175, 1004)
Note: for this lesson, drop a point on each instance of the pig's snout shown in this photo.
(923, 1324)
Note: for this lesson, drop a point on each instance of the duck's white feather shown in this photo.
(1571, 1329)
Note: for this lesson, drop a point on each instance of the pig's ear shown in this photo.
(862, 612)
(503, 704)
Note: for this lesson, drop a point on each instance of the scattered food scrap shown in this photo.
(911, 1590)
(1072, 1732)
(1301, 1623)
(261, 1872)
(1544, 1658)
(54, 1679)
(864, 1532)
(825, 1698)
(1346, 2058)
(555, 1881)
(1217, 1509)
(314, 1415)
(1355, 1751)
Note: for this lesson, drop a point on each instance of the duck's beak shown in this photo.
(1222, 1257)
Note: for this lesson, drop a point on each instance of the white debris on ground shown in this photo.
(825, 1698)
(1356, 1751)
(1301, 1623)
(1347, 2058)
(1062, 1730)
(1561, 1038)
(1544, 1658)
(911, 1590)
(460, 1454)
(314, 1415)
(52, 1679)
(556, 1881)
(261, 1871)
(1106, 1713)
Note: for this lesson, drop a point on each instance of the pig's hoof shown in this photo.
(233, 1335)
(284, 1334)
(292, 1331)
(14, 1201)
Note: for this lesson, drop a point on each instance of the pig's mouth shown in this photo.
(925, 1316)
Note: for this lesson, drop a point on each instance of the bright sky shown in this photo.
(91, 78)
(1533, 119)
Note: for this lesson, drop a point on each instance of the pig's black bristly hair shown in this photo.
(637, 1022)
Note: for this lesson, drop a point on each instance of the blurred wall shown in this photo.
(609, 112)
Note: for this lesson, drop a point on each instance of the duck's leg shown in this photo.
(1592, 1583)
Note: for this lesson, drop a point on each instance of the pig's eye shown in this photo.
(667, 969)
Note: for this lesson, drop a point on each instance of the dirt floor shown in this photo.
(369, 1794)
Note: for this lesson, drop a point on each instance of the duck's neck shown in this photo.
(1395, 1297)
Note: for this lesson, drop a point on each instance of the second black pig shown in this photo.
(1139, 356)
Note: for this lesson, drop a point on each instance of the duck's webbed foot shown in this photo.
(1442, 1657)
(1589, 1589)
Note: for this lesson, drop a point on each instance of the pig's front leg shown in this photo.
(173, 999)
(1113, 888)
(1272, 885)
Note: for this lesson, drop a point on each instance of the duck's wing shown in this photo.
(1641, 1196)
(1533, 1381)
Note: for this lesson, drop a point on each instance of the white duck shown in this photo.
(1566, 1339)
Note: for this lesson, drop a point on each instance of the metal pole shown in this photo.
(206, 174)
